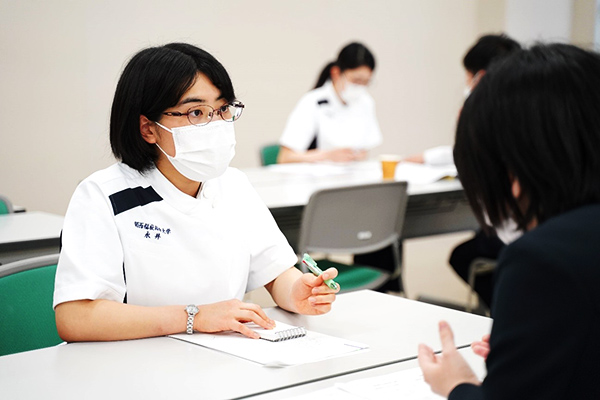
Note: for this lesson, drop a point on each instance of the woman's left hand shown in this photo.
(445, 371)
(310, 295)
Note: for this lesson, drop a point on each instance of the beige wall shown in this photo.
(61, 60)
(584, 19)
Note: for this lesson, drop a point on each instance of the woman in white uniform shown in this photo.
(336, 120)
(169, 239)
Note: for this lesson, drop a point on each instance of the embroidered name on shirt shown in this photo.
(156, 230)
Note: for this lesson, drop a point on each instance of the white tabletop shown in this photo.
(160, 368)
(29, 226)
(288, 185)
(326, 388)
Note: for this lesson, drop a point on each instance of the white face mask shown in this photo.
(508, 232)
(353, 92)
(202, 152)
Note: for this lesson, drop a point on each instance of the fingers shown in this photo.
(321, 300)
(244, 330)
(425, 356)
(446, 337)
(248, 312)
(319, 281)
(329, 273)
(251, 316)
(482, 349)
(255, 308)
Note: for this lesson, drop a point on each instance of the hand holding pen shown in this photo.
(311, 294)
(312, 267)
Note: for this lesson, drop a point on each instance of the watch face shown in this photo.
(192, 309)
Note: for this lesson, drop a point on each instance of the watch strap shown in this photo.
(191, 310)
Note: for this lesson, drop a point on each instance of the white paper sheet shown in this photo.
(421, 174)
(310, 348)
(406, 384)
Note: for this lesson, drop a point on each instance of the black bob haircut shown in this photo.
(534, 116)
(487, 49)
(352, 56)
(154, 80)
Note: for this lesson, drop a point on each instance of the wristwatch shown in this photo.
(191, 310)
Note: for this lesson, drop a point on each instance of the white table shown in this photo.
(435, 208)
(314, 390)
(161, 368)
(289, 185)
(29, 234)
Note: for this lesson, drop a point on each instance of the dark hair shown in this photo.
(154, 80)
(487, 49)
(351, 56)
(534, 116)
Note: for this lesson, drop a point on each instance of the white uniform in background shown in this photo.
(135, 237)
(321, 114)
(439, 156)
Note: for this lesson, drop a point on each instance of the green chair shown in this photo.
(268, 154)
(355, 220)
(5, 205)
(26, 314)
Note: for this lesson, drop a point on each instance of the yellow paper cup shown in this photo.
(388, 165)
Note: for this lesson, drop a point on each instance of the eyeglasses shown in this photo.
(203, 114)
(358, 80)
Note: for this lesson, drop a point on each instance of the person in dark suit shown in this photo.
(527, 150)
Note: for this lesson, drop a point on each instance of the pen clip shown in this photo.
(311, 264)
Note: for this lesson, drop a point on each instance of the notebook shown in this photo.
(280, 333)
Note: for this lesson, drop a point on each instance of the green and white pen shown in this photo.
(312, 266)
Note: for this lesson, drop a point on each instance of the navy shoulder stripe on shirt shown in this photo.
(324, 101)
(130, 198)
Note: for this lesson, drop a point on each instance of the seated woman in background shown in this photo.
(336, 120)
(170, 239)
(527, 146)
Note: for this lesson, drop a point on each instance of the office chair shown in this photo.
(477, 267)
(26, 313)
(355, 220)
(6, 206)
(268, 154)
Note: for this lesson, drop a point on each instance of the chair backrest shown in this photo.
(5, 205)
(354, 219)
(268, 154)
(26, 314)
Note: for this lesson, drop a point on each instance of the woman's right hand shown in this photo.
(482, 347)
(230, 315)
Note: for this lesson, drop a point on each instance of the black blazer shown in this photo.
(545, 340)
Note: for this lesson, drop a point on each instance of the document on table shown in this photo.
(313, 169)
(310, 348)
(406, 384)
(420, 174)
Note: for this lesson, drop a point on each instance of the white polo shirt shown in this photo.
(321, 114)
(136, 238)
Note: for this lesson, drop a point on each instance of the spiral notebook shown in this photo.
(280, 333)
